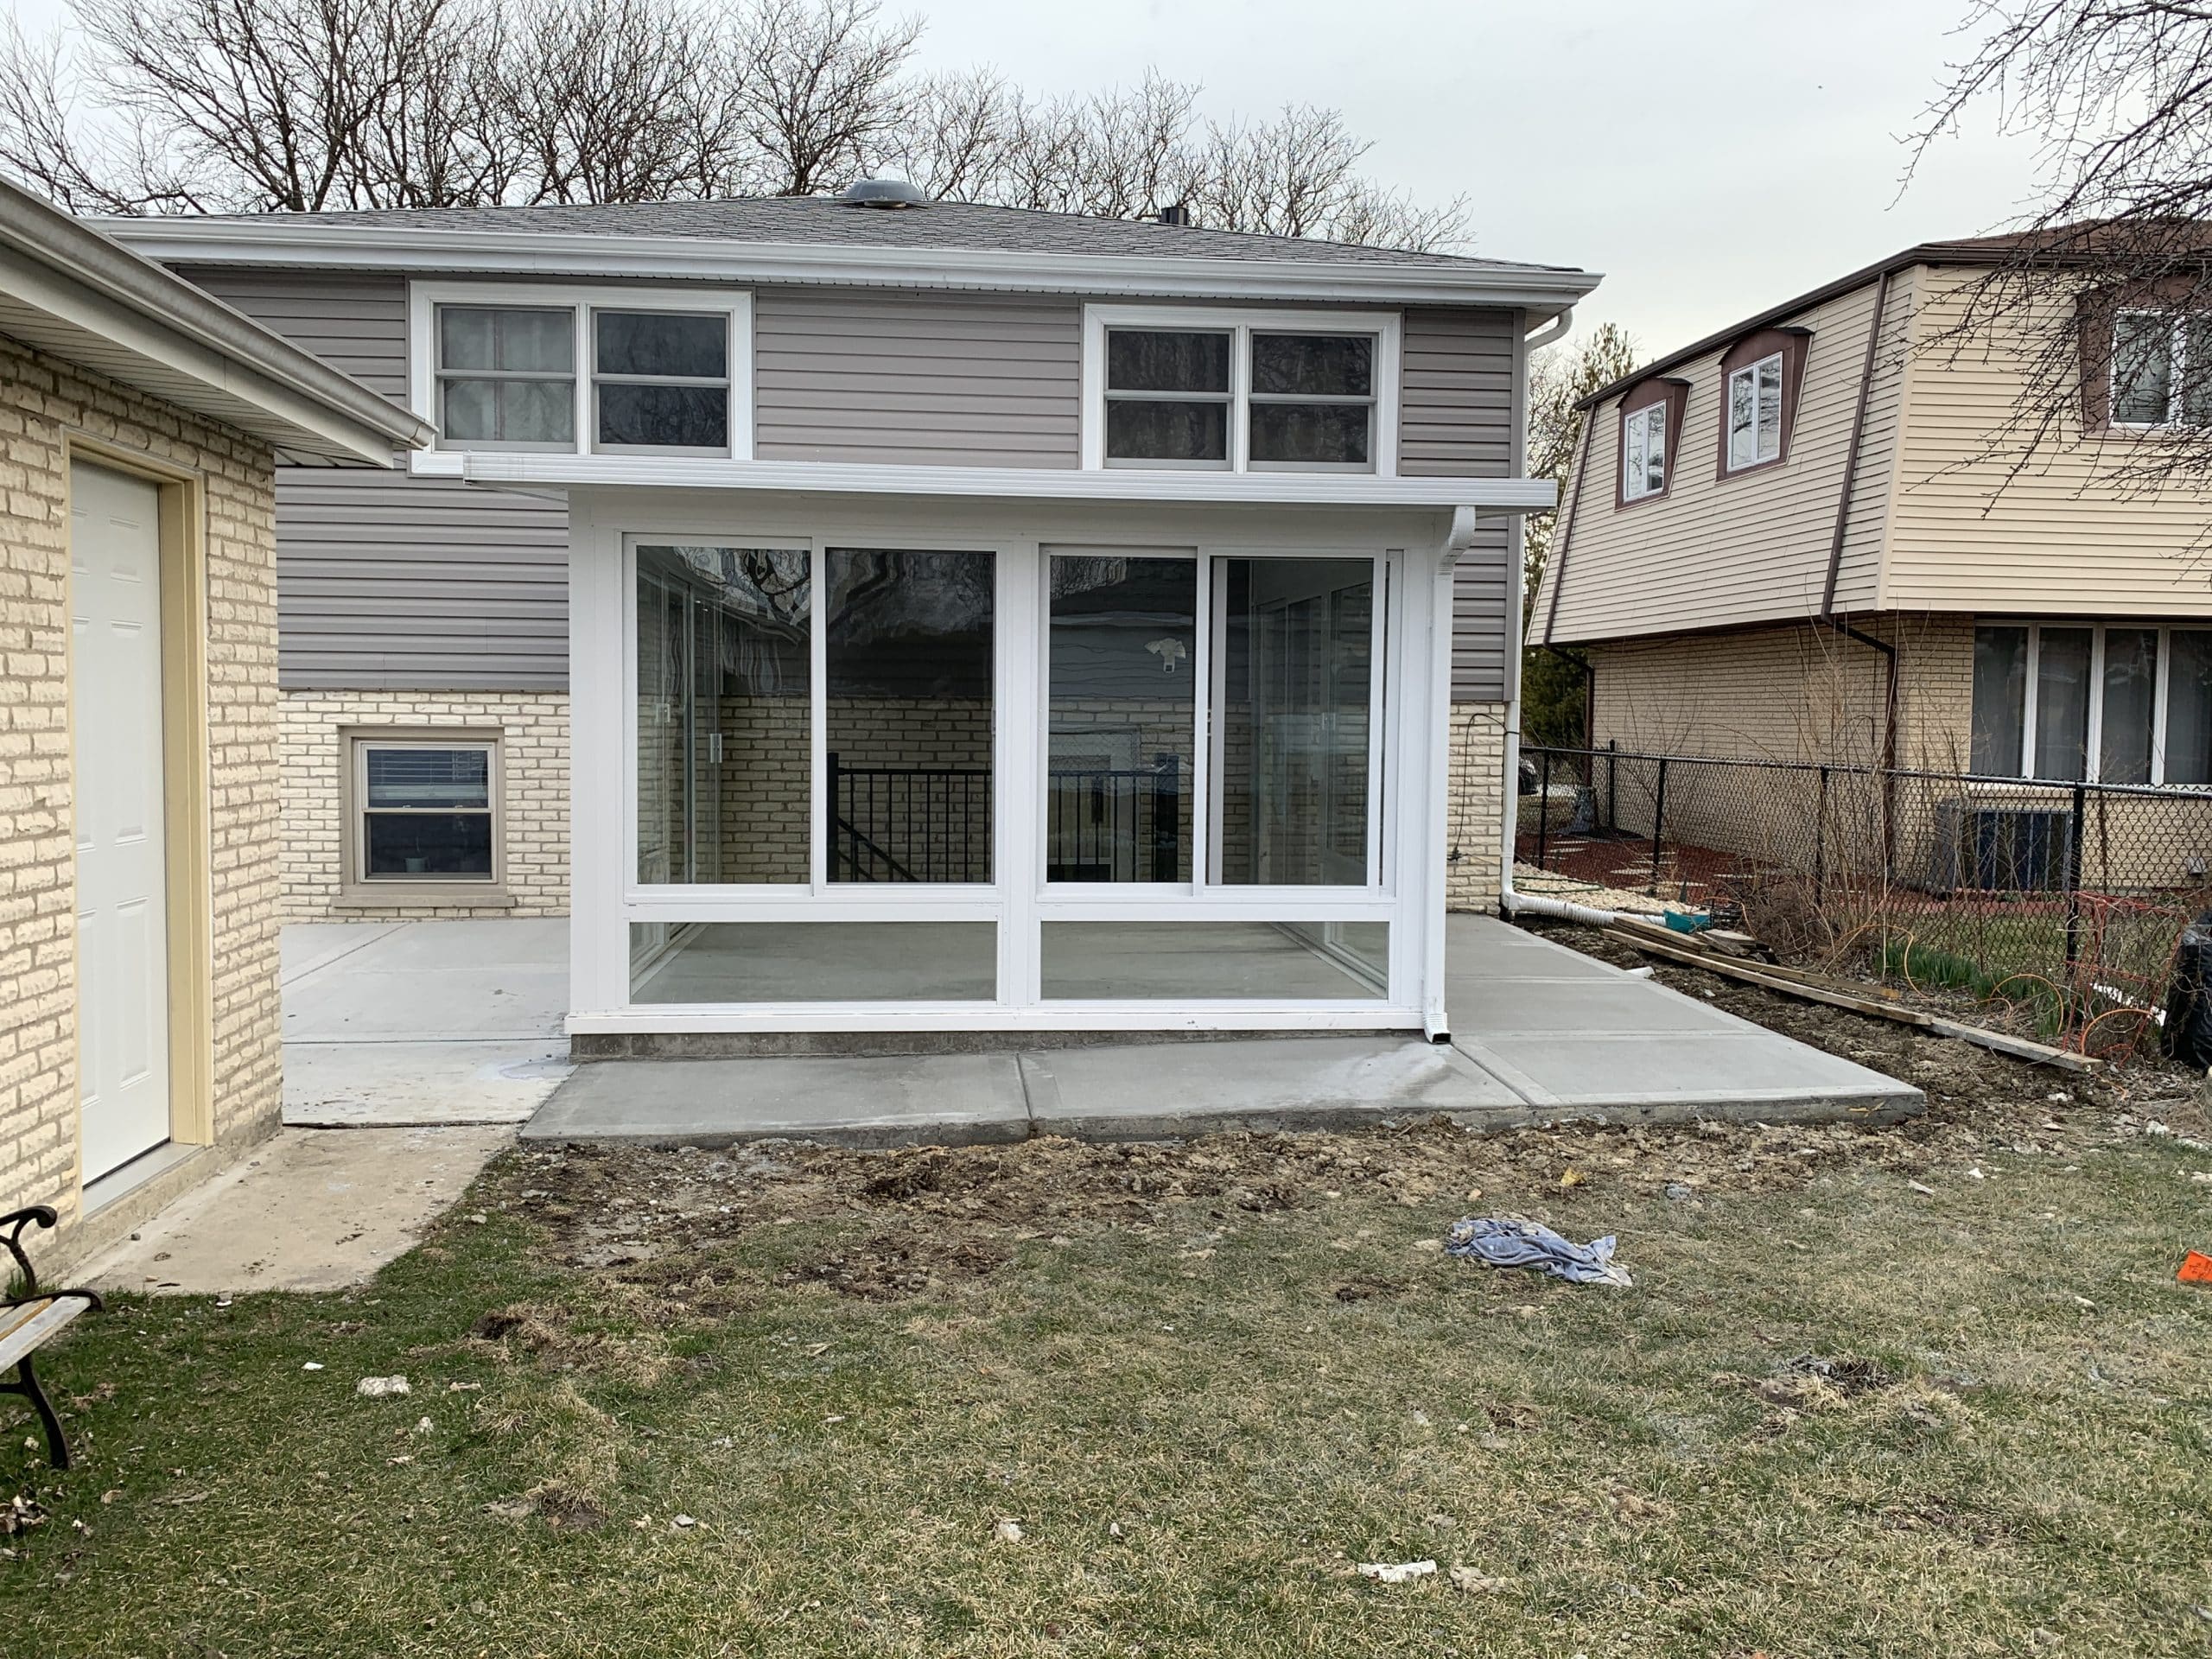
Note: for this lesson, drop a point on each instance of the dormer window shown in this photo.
(2161, 369)
(1643, 452)
(1754, 413)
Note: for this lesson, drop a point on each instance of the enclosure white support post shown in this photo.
(1436, 807)
(599, 790)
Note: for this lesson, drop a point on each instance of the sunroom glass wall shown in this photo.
(1124, 706)
(725, 718)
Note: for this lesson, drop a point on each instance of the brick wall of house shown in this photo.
(1475, 809)
(41, 401)
(533, 728)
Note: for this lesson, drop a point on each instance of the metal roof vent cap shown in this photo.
(882, 193)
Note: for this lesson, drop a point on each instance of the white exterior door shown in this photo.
(115, 673)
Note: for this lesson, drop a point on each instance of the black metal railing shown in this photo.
(1115, 825)
(2069, 894)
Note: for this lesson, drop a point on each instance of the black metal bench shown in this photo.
(28, 1320)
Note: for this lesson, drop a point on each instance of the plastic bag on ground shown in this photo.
(1503, 1242)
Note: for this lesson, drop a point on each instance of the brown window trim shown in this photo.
(1793, 343)
(1675, 394)
(2094, 313)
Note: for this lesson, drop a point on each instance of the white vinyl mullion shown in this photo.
(1205, 832)
(2159, 706)
(1240, 399)
(1379, 622)
(1019, 695)
(817, 676)
(587, 395)
(2028, 700)
(2092, 757)
(1203, 704)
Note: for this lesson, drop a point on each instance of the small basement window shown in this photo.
(1241, 391)
(424, 811)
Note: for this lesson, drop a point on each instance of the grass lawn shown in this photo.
(1204, 1383)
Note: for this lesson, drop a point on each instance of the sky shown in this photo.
(1711, 157)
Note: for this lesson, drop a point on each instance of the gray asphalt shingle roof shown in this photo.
(942, 224)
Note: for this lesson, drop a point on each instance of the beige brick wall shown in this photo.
(533, 727)
(41, 401)
(1475, 809)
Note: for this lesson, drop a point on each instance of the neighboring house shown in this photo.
(141, 424)
(1799, 539)
(950, 617)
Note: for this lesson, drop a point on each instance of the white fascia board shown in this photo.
(1485, 496)
(1540, 291)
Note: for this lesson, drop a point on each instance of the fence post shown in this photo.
(1543, 805)
(1820, 840)
(2074, 826)
(1658, 819)
(1612, 784)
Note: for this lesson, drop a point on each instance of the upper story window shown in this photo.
(569, 371)
(1754, 413)
(1241, 391)
(1643, 452)
(2161, 369)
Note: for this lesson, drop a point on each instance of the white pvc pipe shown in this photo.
(1538, 904)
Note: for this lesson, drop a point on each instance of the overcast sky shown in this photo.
(1712, 157)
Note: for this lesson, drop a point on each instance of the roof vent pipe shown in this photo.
(882, 193)
(1180, 214)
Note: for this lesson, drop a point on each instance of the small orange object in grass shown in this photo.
(2195, 1269)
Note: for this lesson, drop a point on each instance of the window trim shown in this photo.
(1673, 394)
(359, 890)
(2161, 701)
(1242, 323)
(1793, 345)
(2178, 323)
(584, 301)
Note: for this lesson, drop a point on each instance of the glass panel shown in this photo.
(479, 337)
(662, 343)
(690, 417)
(2131, 688)
(1655, 447)
(1328, 365)
(2196, 371)
(1195, 961)
(2142, 368)
(1769, 407)
(725, 720)
(1124, 702)
(510, 411)
(1311, 434)
(2000, 710)
(1635, 455)
(1743, 413)
(1294, 646)
(1178, 431)
(428, 777)
(909, 687)
(2062, 703)
(2189, 707)
(814, 962)
(1151, 360)
(429, 846)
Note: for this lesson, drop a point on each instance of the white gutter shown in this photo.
(307, 240)
(1561, 324)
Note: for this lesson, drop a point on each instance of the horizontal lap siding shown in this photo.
(913, 380)
(386, 581)
(1455, 420)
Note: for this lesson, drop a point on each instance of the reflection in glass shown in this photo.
(506, 376)
(1294, 664)
(909, 685)
(1185, 419)
(1123, 697)
(1292, 961)
(2000, 706)
(664, 416)
(2189, 707)
(814, 962)
(2131, 696)
(724, 721)
(2062, 703)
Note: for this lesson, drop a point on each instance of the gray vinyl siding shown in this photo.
(1479, 597)
(384, 581)
(1455, 393)
(916, 379)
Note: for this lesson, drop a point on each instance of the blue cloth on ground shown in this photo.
(1506, 1244)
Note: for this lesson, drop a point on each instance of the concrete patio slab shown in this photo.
(1153, 1092)
(911, 1100)
(1578, 1005)
(335, 1085)
(312, 1210)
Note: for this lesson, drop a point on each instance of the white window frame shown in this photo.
(1758, 458)
(2178, 369)
(424, 300)
(2094, 762)
(357, 886)
(1637, 485)
(1241, 324)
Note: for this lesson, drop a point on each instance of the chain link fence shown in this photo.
(2062, 901)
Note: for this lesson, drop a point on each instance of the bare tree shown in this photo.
(2104, 290)
(816, 85)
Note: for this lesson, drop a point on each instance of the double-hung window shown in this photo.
(2161, 369)
(1754, 413)
(424, 809)
(1643, 452)
(2077, 702)
(571, 371)
(1241, 391)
